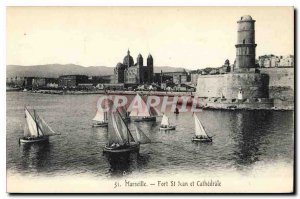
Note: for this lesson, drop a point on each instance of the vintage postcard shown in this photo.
(150, 99)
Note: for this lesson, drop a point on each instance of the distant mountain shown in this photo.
(55, 70)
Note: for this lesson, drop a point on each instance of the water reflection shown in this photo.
(248, 132)
(125, 163)
(35, 156)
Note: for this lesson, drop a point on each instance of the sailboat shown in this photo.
(124, 113)
(120, 138)
(200, 134)
(143, 113)
(101, 115)
(165, 124)
(36, 129)
(101, 119)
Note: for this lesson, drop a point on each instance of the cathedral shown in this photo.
(134, 74)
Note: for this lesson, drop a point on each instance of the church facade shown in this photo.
(131, 73)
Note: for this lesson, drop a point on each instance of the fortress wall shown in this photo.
(253, 85)
(281, 85)
(211, 85)
(280, 77)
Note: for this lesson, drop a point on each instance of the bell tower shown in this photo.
(245, 47)
(150, 67)
(139, 60)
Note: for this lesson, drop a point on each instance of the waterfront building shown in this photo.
(177, 77)
(194, 78)
(272, 61)
(268, 61)
(72, 81)
(31, 82)
(39, 82)
(287, 61)
(20, 81)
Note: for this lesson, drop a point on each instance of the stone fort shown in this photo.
(244, 79)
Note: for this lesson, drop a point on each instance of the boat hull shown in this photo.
(33, 140)
(127, 119)
(131, 148)
(168, 128)
(144, 119)
(104, 124)
(209, 139)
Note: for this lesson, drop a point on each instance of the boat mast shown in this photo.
(128, 133)
(37, 127)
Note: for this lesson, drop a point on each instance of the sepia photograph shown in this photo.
(150, 99)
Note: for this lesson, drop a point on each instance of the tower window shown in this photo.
(243, 41)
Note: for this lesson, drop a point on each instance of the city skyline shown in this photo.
(190, 37)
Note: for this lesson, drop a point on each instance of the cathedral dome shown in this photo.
(120, 66)
(128, 60)
(246, 18)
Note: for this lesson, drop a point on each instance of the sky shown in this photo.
(190, 37)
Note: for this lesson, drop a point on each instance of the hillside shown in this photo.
(55, 70)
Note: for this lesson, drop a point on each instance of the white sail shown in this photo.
(100, 116)
(32, 126)
(165, 120)
(118, 137)
(140, 108)
(199, 130)
(141, 137)
(36, 126)
(118, 130)
(26, 130)
(44, 128)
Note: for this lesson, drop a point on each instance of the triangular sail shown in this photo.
(44, 128)
(126, 135)
(26, 130)
(100, 116)
(114, 135)
(141, 137)
(118, 130)
(199, 130)
(31, 124)
(139, 109)
(165, 120)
